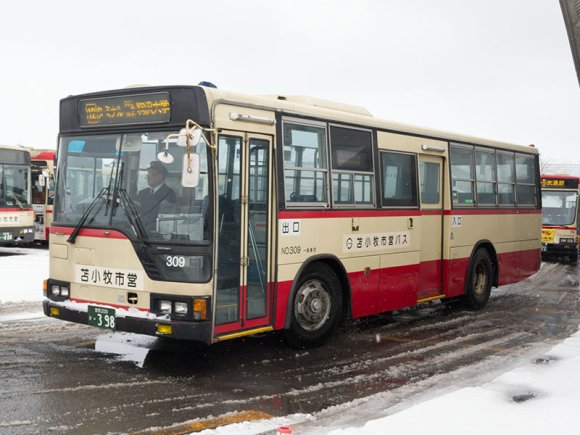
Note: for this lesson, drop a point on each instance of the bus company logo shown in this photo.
(290, 227)
(108, 277)
(375, 242)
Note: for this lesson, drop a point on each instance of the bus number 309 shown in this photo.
(290, 250)
(174, 261)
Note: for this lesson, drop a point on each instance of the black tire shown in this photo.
(316, 307)
(478, 281)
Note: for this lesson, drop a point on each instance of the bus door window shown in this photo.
(228, 230)
(429, 176)
(257, 240)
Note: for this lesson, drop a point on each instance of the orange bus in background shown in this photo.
(560, 238)
(42, 168)
(196, 213)
(16, 215)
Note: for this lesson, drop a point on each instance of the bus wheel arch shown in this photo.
(317, 303)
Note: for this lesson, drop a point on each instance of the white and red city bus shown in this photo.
(277, 213)
(42, 166)
(560, 217)
(16, 216)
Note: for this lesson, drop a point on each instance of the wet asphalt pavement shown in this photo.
(58, 377)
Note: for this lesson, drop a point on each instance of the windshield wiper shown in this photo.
(84, 217)
(120, 194)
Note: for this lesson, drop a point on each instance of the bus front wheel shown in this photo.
(316, 307)
(478, 283)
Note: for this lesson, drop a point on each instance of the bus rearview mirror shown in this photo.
(190, 171)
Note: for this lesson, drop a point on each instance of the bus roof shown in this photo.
(560, 176)
(297, 105)
(42, 154)
(304, 105)
(15, 148)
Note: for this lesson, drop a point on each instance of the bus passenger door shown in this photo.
(430, 270)
(243, 293)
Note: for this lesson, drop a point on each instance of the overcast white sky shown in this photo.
(500, 69)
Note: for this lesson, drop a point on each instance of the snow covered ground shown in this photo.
(22, 271)
(542, 396)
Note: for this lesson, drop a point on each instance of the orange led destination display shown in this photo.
(563, 183)
(126, 109)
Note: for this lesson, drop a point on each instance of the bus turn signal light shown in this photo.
(54, 312)
(45, 288)
(199, 309)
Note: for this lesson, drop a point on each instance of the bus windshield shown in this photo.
(13, 186)
(115, 181)
(558, 207)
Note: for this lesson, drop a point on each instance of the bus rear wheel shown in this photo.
(316, 307)
(478, 283)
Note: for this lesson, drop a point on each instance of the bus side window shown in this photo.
(305, 163)
(399, 179)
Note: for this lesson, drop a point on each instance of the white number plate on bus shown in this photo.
(102, 317)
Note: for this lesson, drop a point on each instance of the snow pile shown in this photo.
(23, 270)
(538, 398)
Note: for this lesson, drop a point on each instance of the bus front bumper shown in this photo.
(195, 331)
(17, 235)
(559, 250)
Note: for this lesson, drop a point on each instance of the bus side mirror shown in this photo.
(190, 171)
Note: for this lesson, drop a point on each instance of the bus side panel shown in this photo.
(364, 284)
(454, 272)
(508, 267)
(398, 287)
(430, 279)
(399, 280)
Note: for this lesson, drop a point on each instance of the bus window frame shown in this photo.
(416, 193)
(299, 204)
(353, 173)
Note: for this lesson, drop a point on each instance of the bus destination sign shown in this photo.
(562, 183)
(125, 109)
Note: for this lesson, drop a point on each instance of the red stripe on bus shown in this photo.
(559, 176)
(487, 211)
(88, 232)
(14, 209)
(316, 214)
(125, 307)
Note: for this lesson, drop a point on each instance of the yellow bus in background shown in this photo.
(42, 167)
(560, 217)
(279, 212)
